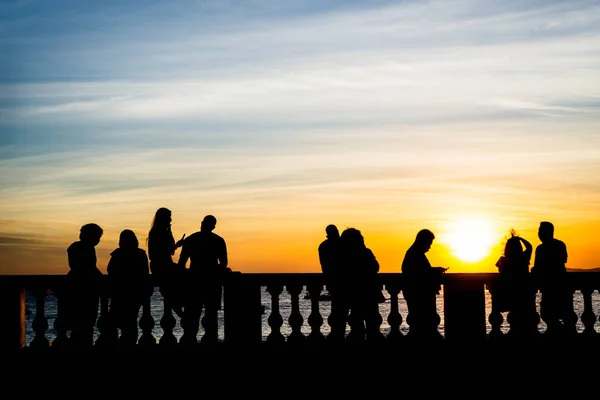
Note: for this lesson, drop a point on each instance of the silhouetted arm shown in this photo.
(145, 263)
(179, 242)
(528, 246)
(145, 272)
(74, 261)
(223, 259)
(110, 268)
(374, 262)
(528, 249)
(183, 256)
(321, 257)
(564, 254)
(536, 261)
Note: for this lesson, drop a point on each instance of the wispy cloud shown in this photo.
(382, 111)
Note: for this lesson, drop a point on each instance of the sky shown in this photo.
(468, 118)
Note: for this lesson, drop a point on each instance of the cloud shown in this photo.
(377, 111)
(8, 240)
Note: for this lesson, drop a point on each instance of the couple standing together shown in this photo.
(188, 291)
(350, 269)
(517, 285)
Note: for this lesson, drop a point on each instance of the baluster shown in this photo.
(570, 320)
(588, 317)
(315, 319)
(108, 333)
(394, 317)
(295, 320)
(146, 325)
(167, 323)
(40, 322)
(275, 319)
(60, 323)
(495, 318)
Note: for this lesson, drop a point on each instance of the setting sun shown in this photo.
(470, 240)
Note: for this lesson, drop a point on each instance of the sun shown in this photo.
(470, 240)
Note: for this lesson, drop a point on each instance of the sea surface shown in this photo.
(156, 306)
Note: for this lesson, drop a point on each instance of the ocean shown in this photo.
(156, 307)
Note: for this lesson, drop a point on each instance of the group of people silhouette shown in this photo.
(517, 285)
(349, 267)
(129, 271)
(350, 270)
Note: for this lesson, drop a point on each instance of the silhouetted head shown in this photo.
(90, 233)
(208, 223)
(352, 237)
(128, 240)
(546, 231)
(332, 232)
(513, 247)
(162, 218)
(424, 240)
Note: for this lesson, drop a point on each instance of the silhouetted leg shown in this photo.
(83, 331)
(129, 327)
(549, 311)
(567, 313)
(210, 320)
(373, 323)
(338, 319)
(356, 321)
(191, 321)
(417, 318)
(431, 317)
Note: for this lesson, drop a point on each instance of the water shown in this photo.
(156, 307)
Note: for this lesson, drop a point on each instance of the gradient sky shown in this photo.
(282, 117)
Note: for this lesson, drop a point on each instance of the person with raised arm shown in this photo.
(513, 291)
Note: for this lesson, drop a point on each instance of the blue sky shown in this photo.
(109, 109)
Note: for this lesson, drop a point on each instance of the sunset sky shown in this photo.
(468, 118)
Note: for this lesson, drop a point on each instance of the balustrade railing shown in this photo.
(303, 319)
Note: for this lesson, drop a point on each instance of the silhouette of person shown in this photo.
(513, 291)
(550, 272)
(161, 247)
(84, 281)
(207, 253)
(128, 276)
(422, 283)
(360, 287)
(329, 255)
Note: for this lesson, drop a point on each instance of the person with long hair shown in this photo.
(360, 288)
(513, 291)
(161, 248)
(128, 275)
